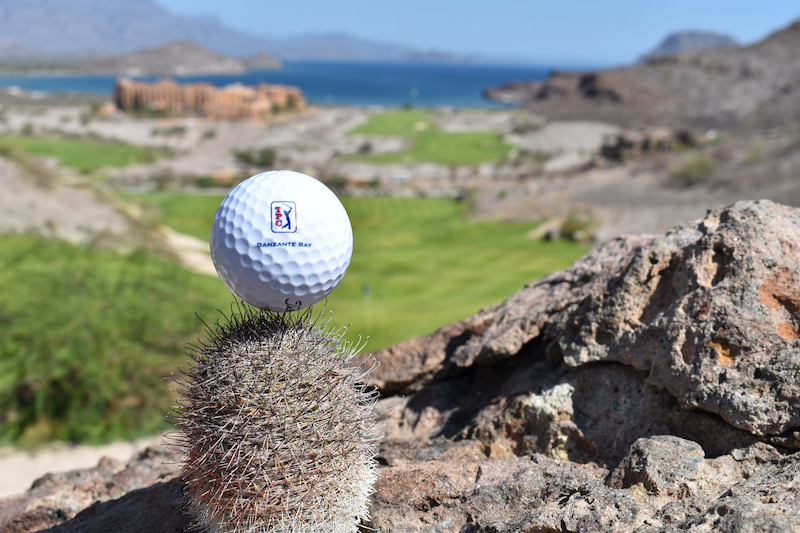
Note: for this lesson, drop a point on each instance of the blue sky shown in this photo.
(603, 32)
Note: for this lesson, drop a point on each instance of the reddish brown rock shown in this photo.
(651, 387)
(707, 315)
(80, 499)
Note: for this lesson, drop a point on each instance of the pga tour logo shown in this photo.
(284, 217)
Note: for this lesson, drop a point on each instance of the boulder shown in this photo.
(650, 387)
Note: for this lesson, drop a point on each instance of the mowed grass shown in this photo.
(417, 264)
(186, 213)
(82, 155)
(86, 336)
(429, 144)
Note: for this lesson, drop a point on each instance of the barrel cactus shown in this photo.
(276, 430)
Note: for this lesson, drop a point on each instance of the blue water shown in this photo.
(326, 83)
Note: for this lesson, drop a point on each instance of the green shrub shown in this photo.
(169, 131)
(87, 335)
(578, 228)
(337, 183)
(263, 157)
(695, 169)
(754, 154)
(33, 167)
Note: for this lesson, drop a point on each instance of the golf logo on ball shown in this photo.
(284, 215)
(281, 241)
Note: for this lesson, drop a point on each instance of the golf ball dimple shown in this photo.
(281, 241)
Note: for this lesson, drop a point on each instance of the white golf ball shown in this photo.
(281, 241)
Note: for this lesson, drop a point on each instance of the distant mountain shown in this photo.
(341, 46)
(686, 41)
(90, 27)
(262, 61)
(68, 28)
(748, 86)
(180, 58)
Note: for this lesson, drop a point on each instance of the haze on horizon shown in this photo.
(573, 32)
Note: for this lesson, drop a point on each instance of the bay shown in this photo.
(337, 83)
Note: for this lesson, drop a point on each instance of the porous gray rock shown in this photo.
(651, 387)
(708, 317)
(140, 496)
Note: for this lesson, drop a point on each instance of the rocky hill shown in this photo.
(57, 29)
(181, 58)
(756, 85)
(651, 387)
(687, 41)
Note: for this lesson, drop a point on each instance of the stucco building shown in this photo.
(234, 102)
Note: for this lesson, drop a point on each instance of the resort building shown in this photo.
(234, 102)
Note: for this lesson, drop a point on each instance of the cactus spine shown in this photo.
(277, 431)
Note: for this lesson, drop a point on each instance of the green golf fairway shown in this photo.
(417, 263)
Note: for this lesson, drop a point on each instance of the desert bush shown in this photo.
(337, 183)
(169, 131)
(578, 228)
(696, 168)
(753, 154)
(33, 167)
(261, 157)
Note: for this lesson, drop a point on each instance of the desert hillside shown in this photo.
(751, 86)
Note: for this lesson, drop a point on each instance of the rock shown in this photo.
(108, 497)
(568, 162)
(708, 313)
(665, 489)
(650, 387)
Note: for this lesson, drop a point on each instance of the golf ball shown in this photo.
(281, 241)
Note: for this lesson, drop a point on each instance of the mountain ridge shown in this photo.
(687, 41)
(81, 28)
(748, 86)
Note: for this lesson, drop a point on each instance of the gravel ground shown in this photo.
(70, 213)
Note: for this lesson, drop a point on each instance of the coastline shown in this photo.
(327, 83)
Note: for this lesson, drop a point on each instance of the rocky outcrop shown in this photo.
(142, 496)
(262, 61)
(686, 41)
(729, 88)
(652, 386)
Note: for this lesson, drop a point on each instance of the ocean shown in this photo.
(334, 83)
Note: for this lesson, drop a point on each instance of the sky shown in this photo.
(592, 32)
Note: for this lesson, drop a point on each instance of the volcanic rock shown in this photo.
(650, 387)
